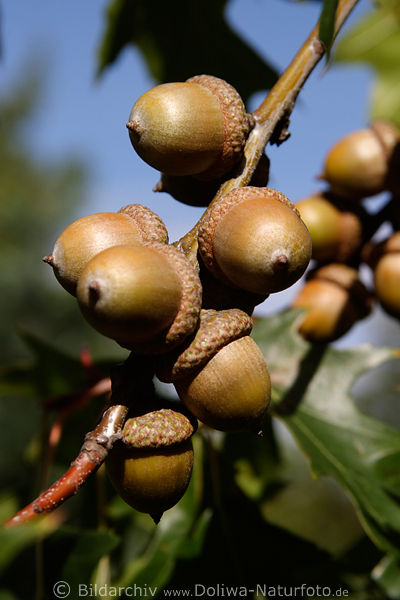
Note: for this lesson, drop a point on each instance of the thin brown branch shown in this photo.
(273, 113)
(131, 381)
(101, 387)
(92, 454)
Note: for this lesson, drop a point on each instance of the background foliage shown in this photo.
(252, 507)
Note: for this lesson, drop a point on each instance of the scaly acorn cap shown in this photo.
(254, 239)
(221, 375)
(187, 318)
(237, 123)
(158, 429)
(151, 226)
(216, 330)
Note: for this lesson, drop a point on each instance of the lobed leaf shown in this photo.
(375, 40)
(312, 396)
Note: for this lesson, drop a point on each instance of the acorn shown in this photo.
(336, 234)
(219, 296)
(335, 300)
(151, 466)
(195, 192)
(198, 127)
(254, 239)
(86, 237)
(220, 374)
(365, 162)
(145, 297)
(387, 274)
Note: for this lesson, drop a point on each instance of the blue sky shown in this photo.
(82, 117)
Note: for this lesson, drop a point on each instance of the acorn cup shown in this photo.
(151, 466)
(147, 297)
(220, 374)
(195, 192)
(219, 296)
(254, 239)
(335, 300)
(365, 162)
(336, 233)
(386, 265)
(198, 127)
(83, 239)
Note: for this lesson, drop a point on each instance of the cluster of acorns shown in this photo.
(190, 317)
(360, 165)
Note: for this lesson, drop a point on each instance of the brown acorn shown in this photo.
(365, 162)
(335, 300)
(198, 127)
(195, 192)
(152, 465)
(86, 237)
(254, 239)
(387, 274)
(220, 374)
(336, 234)
(146, 297)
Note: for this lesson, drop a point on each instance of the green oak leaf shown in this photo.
(312, 386)
(89, 547)
(14, 540)
(327, 25)
(375, 41)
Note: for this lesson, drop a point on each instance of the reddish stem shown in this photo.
(98, 389)
(131, 381)
(92, 454)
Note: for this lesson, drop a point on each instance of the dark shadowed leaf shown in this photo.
(50, 366)
(387, 574)
(181, 39)
(16, 539)
(89, 547)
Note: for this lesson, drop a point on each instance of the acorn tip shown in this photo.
(156, 517)
(281, 262)
(94, 292)
(48, 259)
